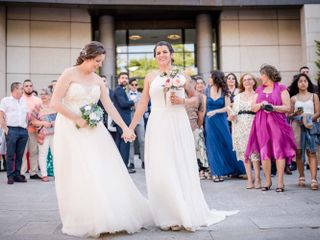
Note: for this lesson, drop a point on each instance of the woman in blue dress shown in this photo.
(222, 159)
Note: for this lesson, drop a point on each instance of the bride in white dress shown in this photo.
(174, 190)
(94, 190)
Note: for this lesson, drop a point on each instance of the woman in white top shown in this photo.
(304, 105)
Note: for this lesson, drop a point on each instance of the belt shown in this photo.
(246, 112)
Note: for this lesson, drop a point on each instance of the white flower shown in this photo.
(87, 108)
(93, 116)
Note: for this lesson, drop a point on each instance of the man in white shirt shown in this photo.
(13, 121)
(135, 96)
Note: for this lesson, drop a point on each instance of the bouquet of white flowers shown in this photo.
(92, 113)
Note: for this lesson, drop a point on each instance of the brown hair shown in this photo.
(90, 51)
(14, 85)
(272, 73)
(241, 87)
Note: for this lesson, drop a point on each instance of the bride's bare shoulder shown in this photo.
(152, 75)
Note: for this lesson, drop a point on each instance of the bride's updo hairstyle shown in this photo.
(163, 43)
(90, 51)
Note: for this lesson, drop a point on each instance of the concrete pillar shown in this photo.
(107, 38)
(310, 31)
(204, 45)
(3, 48)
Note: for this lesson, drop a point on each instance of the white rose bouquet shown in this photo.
(92, 113)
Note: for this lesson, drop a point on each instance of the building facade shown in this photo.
(39, 40)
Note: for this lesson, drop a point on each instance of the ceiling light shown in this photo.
(174, 36)
(135, 37)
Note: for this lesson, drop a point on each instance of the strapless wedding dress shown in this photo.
(173, 184)
(94, 190)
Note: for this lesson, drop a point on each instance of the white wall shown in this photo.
(252, 37)
(42, 42)
(2, 52)
(310, 31)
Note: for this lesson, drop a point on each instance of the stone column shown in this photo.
(310, 31)
(3, 48)
(204, 45)
(106, 29)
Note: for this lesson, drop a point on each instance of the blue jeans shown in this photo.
(16, 141)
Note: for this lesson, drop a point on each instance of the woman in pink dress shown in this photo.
(271, 136)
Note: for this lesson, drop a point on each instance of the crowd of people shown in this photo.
(186, 130)
(237, 127)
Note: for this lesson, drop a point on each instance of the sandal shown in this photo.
(301, 182)
(45, 179)
(280, 189)
(216, 179)
(221, 179)
(314, 184)
(266, 188)
(257, 184)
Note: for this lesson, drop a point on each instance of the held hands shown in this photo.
(175, 100)
(128, 135)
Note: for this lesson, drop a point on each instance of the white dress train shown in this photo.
(173, 184)
(94, 190)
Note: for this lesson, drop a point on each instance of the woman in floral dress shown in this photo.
(242, 118)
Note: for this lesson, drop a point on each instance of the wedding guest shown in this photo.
(305, 110)
(123, 104)
(135, 96)
(13, 121)
(200, 85)
(3, 151)
(232, 83)
(195, 111)
(32, 145)
(271, 136)
(43, 119)
(242, 117)
(222, 159)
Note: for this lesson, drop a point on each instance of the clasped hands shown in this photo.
(128, 135)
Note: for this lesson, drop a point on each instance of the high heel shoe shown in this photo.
(280, 189)
(266, 188)
(301, 182)
(176, 228)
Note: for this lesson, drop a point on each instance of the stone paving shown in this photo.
(29, 211)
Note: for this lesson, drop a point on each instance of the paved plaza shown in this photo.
(29, 211)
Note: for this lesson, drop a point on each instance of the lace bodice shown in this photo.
(157, 94)
(79, 95)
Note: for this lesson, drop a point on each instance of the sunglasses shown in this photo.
(134, 84)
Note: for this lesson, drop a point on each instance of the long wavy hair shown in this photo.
(218, 79)
(294, 89)
(235, 77)
(90, 51)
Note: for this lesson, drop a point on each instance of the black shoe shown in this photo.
(36, 176)
(142, 165)
(131, 171)
(131, 166)
(10, 180)
(19, 178)
(293, 166)
(288, 171)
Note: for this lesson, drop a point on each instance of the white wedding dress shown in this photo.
(94, 190)
(173, 184)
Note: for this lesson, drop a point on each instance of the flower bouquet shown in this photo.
(173, 82)
(92, 113)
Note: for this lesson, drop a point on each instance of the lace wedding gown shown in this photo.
(173, 184)
(94, 190)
